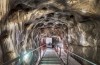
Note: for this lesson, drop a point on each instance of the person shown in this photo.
(53, 42)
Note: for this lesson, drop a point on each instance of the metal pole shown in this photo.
(57, 50)
(60, 51)
(67, 57)
(40, 53)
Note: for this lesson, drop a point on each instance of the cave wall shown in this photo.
(86, 33)
(90, 53)
(83, 39)
(85, 6)
(16, 39)
(12, 31)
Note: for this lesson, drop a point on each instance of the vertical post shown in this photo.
(60, 51)
(67, 57)
(57, 49)
(40, 52)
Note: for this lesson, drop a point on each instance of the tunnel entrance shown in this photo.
(49, 42)
(31, 26)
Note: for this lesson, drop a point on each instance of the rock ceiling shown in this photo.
(24, 10)
(32, 13)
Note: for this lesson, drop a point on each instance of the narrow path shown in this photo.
(50, 58)
(71, 61)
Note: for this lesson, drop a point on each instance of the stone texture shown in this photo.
(78, 22)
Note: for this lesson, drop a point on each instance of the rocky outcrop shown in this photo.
(86, 6)
(86, 33)
(16, 40)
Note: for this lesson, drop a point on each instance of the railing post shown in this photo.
(67, 57)
(60, 51)
(57, 50)
(40, 52)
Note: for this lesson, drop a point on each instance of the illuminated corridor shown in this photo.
(49, 32)
(50, 58)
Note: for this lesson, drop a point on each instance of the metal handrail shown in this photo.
(82, 58)
(17, 58)
(59, 54)
(76, 56)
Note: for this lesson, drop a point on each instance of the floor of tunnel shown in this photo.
(50, 57)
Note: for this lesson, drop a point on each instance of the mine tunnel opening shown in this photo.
(51, 30)
(50, 37)
(24, 25)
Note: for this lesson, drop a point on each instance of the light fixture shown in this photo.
(56, 22)
(84, 11)
(27, 56)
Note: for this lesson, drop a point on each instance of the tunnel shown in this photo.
(49, 32)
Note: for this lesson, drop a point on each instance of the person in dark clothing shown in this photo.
(54, 41)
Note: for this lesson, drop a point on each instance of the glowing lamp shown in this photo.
(84, 11)
(26, 57)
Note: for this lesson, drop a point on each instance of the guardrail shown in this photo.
(19, 57)
(68, 54)
(82, 58)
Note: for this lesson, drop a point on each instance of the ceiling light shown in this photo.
(56, 22)
(84, 11)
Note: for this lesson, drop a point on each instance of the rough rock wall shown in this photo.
(85, 6)
(7, 7)
(89, 53)
(15, 39)
(4, 7)
(85, 33)
(84, 39)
